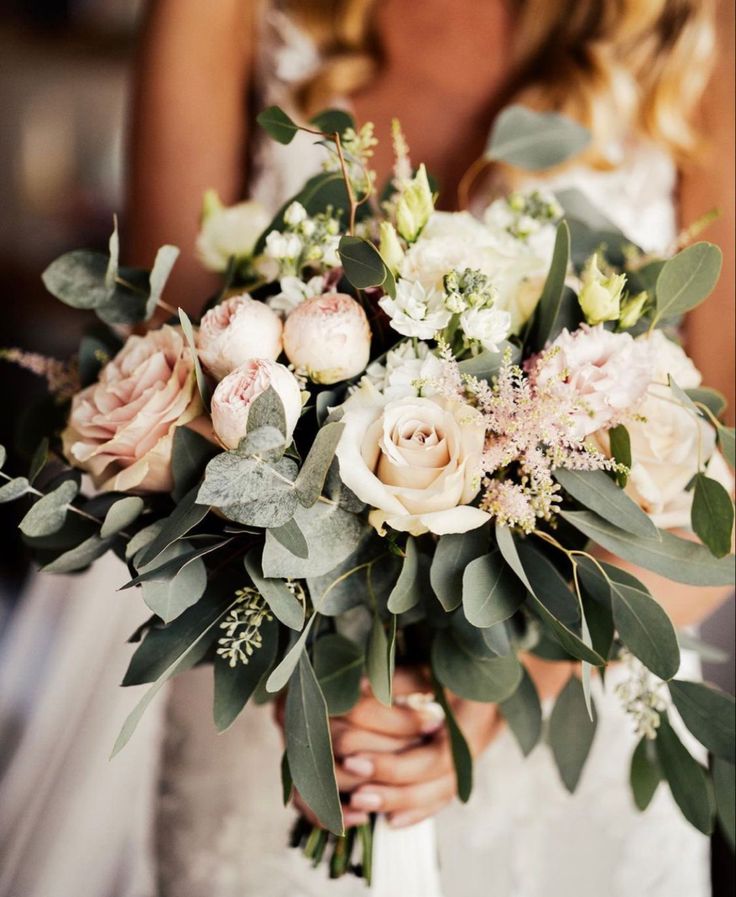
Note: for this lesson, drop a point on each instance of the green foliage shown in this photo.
(277, 124)
(333, 121)
(79, 557)
(534, 140)
(48, 514)
(713, 400)
(281, 674)
(338, 664)
(462, 662)
(727, 444)
(491, 592)
(553, 312)
(712, 515)
(284, 604)
(188, 331)
(162, 266)
(485, 365)
(571, 733)
(645, 774)
(411, 584)
(453, 553)
(185, 516)
(620, 443)
(724, 785)
(291, 538)
(709, 713)
(312, 476)
(687, 279)
(189, 456)
(380, 656)
(462, 759)
(14, 489)
(121, 514)
(364, 266)
(686, 777)
(523, 713)
(180, 580)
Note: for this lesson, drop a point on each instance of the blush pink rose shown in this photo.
(121, 428)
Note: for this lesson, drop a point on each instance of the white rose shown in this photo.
(415, 461)
(228, 232)
(416, 310)
(409, 370)
(489, 326)
(235, 394)
(328, 337)
(236, 330)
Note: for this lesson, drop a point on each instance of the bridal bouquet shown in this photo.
(397, 436)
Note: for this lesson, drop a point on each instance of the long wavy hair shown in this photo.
(617, 66)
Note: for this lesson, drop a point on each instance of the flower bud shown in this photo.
(328, 338)
(236, 330)
(632, 309)
(228, 232)
(295, 214)
(600, 295)
(415, 206)
(234, 395)
(390, 248)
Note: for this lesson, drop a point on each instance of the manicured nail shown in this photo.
(402, 820)
(432, 725)
(359, 766)
(366, 800)
(354, 818)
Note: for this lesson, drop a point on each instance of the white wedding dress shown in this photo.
(74, 825)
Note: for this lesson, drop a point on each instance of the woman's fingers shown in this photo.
(349, 815)
(399, 722)
(429, 761)
(422, 797)
(349, 739)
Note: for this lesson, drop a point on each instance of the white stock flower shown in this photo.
(408, 370)
(236, 330)
(294, 291)
(328, 338)
(416, 310)
(489, 326)
(415, 461)
(295, 214)
(235, 394)
(228, 232)
(283, 246)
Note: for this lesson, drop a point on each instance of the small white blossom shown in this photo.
(416, 311)
(410, 369)
(283, 246)
(294, 291)
(295, 214)
(489, 326)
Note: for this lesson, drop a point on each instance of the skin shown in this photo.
(190, 130)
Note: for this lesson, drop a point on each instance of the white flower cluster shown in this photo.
(409, 369)
(529, 218)
(642, 696)
(305, 241)
(242, 627)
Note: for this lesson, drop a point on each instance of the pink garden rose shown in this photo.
(235, 394)
(121, 428)
(236, 330)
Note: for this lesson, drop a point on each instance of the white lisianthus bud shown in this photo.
(228, 232)
(489, 326)
(236, 330)
(283, 246)
(600, 295)
(295, 214)
(389, 247)
(328, 338)
(235, 394)
(632, 309)
(415, 206)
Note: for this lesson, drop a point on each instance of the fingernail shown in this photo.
(401, 820)
(359, 766)
(366, 800)
(356, 818)
(430, 726)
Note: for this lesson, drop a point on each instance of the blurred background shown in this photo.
(63, 91)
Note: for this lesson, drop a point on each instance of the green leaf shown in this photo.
(597, 492)
(250, 491)
(282, 673)
(523, 713)
(79, 557)
(267, 410)
(169, 563)
(283, 602)
(408, 589)
(453, 553)
(168, 598)
(48, 514)
(571, 733)
(710, 714)
(114, 250)
(620, 444)
(547, 322)
(485, 365)
(673, 557)
(362, 262)
(713, 400)
(332, 121)
(724, 784)
(380, 658)
(462, 759)
(686, 777)
(491, 592)
(14, 489)
(39, 460)
(78, 279)
(596, 597)
(277, 124)
(3, 456)
(346, 586)
(162, 265)
(287, 783)
(338, 665)
(712, 515)
(188, 331)
(309, 747)
(291, 538)
(645, 774)
(727, 443)
(471, 675)
(189, 456)
(124, 512)
(311, 479)
(178, 662)
(235, 685)
(687, 279)
(185, 516)
(535, 140)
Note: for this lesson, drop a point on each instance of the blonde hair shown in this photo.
(617, 66)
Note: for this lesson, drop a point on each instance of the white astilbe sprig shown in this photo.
(642, 695)
(242, 627)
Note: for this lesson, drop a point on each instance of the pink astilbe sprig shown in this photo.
(62, 377)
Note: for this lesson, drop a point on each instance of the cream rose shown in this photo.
(236, 330)
(415, 461)
(121, 428)
(235, 394)
(328, 337)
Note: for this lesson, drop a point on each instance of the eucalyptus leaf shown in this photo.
(485, 365)
(713, 400)
(709, 713)
(170, 598)
(362, 262)
(380, 658)
(727, 443)
(114, 252)
(408, 589)
(686, 777)
(453, 553)
(185, 516)
(712, 515)
(162, 265)
(645, 774)
(333, 121)
(309, 747)
(523, 713)
(687, 279)
(283, 602)
(677, 559)
(571, 733)
(489, 679)
(724, 785)
(78, 279)
(346, 585)
(491, 592)
(462, 759)
(3, 456)
(277, 124)
(597, 492)
(49, 513)
(287, 783)
(282, 673)
(535, 140)
(620, 444)
(79, 557)
(338, 665)
(267, 410)
(39, 460)
(170, 562)
(291, 538)
(124, 512)
(13, 489)
(549, 317)
(311, 479)
(188, 331)
(234, 685)
(189, 456)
